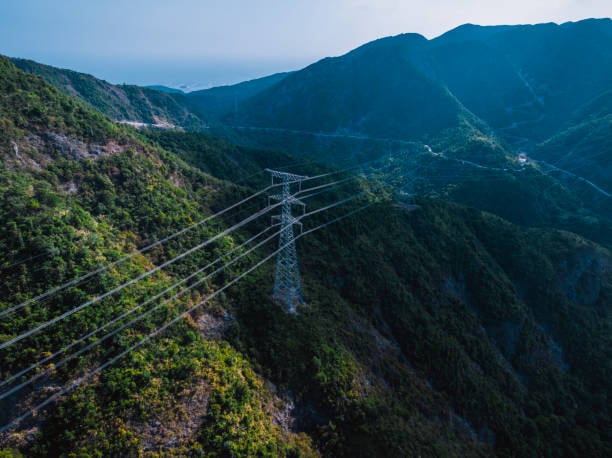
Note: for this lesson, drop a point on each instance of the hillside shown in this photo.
(477, 95)
(375, 91)
(524, 81)
(443, 304)
(584, 147)
(516, 85)
(439, 331)
(521, 84)
(221, 100)
(120, 102)
(169, 90)
(527, 81)
(78, 191)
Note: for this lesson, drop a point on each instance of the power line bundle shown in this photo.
(45, 366)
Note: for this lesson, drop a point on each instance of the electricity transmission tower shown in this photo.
(287, 284)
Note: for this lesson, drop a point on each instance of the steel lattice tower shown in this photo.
(287, 283)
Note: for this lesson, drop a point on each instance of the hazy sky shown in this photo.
(212, 41)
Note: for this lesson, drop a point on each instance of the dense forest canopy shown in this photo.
(459, 304)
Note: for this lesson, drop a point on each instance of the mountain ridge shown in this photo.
(504, 48)
(429, 328)
(120, 102)
(218, 101)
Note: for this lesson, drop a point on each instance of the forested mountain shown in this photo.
(78, 191)
(152, 104)
(169, 90)
(484, 94)
(376, 90)
(526, 82)
(585, 147)
(482, 97)
(120, 102)
(522, 85)
(428, 328)
(218, 101)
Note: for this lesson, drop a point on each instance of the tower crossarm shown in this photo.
(286, 176)
(278, 219)
(290, 199)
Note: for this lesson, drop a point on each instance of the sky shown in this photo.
(200, 43)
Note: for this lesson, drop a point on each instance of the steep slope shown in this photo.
(226, 160)
(77, 192)
(32, 113)
(221, 100)
(169, 90)
(529, 194)
(430, 331)
(500, 335)
(582, 151)
(375, 90)
(479, 95)
(120, 102)
(527, 81)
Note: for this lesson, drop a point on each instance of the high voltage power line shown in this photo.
(146, 274)
(158, 331)
(80, 279)
(106, 267)
(287, 283)
(158, 296)
(321, 188)
(286, 197)
(133, 280)
(82, 339)
(150, 311)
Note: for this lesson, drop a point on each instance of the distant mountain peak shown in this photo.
(467, 32)
(403, 39)
(470, 31)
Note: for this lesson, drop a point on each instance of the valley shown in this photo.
(450, 229)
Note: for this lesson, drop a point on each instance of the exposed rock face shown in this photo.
(214, 326)
(176, 426)
(283, 410)
(37, 151)
(79, 150)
